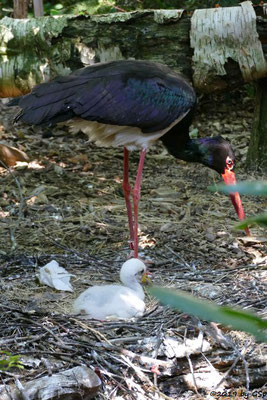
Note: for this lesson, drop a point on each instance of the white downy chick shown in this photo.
(116, 301)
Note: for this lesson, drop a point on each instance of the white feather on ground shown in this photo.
(116, 301)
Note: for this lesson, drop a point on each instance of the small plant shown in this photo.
(257, 188)
(8, 361)
(209, 311)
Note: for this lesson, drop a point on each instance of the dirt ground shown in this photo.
(67, 204)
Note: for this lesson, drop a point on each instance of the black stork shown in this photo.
(131, 104)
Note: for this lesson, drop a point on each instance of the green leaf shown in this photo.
(260, 219)
(209, 311)
(58, 6)
(9, 361)
(256, 188)
(53, 11)
(193, 133)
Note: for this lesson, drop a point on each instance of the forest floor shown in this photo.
(67, 205)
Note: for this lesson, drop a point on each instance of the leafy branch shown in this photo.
(256, 188)
(237, 319)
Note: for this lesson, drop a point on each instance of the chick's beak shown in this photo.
(146, 278)
(229, 179)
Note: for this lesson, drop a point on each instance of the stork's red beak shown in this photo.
(229, 179)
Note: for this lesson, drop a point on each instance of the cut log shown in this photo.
(53, 46)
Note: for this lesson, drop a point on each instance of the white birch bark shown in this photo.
(220, 34)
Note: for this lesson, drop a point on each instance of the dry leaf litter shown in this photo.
(67, 205)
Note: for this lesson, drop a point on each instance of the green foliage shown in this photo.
(257, 188)
(9, 361)
(260, 219)
(6, 8)
(193, 133)
(86, 7)
(250, 89)
(130, 5)
(90, 7)
(209, 311)
(54, 7)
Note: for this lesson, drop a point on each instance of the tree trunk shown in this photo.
(20, 8)
(38, 8)
(257, 152)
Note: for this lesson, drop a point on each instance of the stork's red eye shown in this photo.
(229, 163)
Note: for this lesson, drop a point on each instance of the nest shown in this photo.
(67, 204)
(164, 354)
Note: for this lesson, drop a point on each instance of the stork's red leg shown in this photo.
(127, 192)
(136, 198)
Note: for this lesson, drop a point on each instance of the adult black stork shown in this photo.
(131, 104)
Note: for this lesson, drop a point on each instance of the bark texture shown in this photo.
(257, 153)
(53, 46)
(40, 59)
(38, 8)
(20, 8)
(222, 34)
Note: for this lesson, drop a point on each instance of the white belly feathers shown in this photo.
(114, 135)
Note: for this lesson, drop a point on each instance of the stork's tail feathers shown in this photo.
(14, 101)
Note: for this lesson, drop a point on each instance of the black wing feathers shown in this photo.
(131, 93)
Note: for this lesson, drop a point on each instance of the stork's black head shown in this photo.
(216, 153)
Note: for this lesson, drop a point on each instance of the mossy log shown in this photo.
(57, 45)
